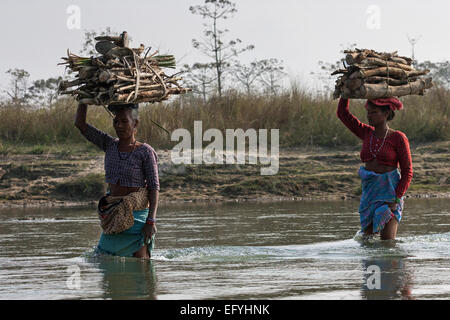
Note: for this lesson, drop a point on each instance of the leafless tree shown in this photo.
(247, 75)
(199, 78)
(18, 85)
(213, 44)
(272, 73)
(44, 91)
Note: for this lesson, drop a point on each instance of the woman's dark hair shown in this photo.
(386, 109)
(134, 108)
(134, 112)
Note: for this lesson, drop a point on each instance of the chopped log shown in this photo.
(67, 84)
(418, 73)
(401, 60)
(121, 41)
(358, 55)
(104, 46)
(87, 72)
(108, 38)
(409, 61)
(343, 71)
(106, 76)
(347, 92)
(337, 93)
(375, 91)
(383, 63)
(125, 41)
(384, 72)
(391, 81)
(353, 84)
(355, 57)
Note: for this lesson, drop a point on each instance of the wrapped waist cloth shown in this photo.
(125, 244)
(377, 191)
(116, 213)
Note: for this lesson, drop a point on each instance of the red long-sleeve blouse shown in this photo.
(394, 151)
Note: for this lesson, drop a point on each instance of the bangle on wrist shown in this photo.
(150, 221)
(398, 200)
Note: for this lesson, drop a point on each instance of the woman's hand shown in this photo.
(392, 206)
(149, 230)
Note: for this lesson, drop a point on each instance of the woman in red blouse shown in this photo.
(382, 151)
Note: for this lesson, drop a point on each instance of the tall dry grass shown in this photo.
(303, 119)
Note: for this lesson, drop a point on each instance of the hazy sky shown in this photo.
(302, 32)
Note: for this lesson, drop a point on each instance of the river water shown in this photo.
(286, 250)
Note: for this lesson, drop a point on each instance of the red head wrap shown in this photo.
(393, 103)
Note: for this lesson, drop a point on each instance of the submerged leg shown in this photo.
(369, 230)
(142, 253)
(389, 231)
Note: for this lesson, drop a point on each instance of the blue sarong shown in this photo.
(377, 189)
(125, 244)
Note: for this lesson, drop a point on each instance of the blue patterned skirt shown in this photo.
(377, 189)
(125, 244)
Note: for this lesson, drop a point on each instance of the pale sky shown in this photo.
(299, 32)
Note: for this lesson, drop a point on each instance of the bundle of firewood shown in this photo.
(120, 74)
(371, 75)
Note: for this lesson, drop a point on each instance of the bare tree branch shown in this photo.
(212, 43)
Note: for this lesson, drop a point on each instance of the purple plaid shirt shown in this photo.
(136, 169)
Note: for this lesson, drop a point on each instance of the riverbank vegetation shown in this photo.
(304, 120)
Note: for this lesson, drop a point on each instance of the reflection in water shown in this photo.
(386, 276)
(126, 278)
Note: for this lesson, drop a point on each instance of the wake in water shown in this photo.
(359, 247)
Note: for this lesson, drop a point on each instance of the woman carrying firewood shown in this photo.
(131, 170)
(383, 187)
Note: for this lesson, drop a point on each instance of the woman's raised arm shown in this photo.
(351, 122)
(80, 119)
(94, 135)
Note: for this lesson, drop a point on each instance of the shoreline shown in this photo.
(85, 204)
(77, 180)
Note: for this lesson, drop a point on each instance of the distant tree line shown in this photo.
(40, 92)
(220, 71)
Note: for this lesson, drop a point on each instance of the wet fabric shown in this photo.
(125, 244)
(377, 189)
